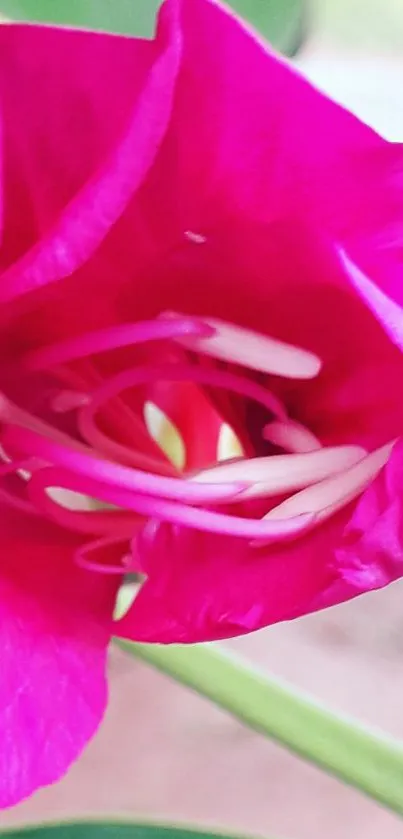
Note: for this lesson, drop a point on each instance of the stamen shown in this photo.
(187, 372)
(104, 340)
(251, 349)
(291, 436)
(330, 477)
(82, 554)
(112, 524)
(173, 372)
(283, 473)
(80, 459)
(122, 453)
(125, 598)
(74, 500)
(172, 511)
(166, 434)
(229, 444)
(131, 455)
(329, 496)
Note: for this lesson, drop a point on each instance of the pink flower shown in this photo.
(191, 232)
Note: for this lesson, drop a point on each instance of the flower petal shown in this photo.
(203, 588)
(263, 141)
(72, 169)
(54, 630)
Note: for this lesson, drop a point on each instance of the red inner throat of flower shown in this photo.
(192, 433)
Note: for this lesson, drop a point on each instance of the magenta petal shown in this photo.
(54, 631)
(203, 588)
(262, 141)
(103, 108)
(387, 311)
(370, 555)
(279, 148)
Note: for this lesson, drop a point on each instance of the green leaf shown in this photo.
(106, 830)
(282, 22)
(127, 17)
(365, 758)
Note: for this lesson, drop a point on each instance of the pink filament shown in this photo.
(81, 557)
(138, 493)
(109, 523)
(171, 372)
(176, 513)
(120, 412)
(180, 373)
(284, 473)
(99, 341)
(291, 436)
(81, 459)
(334, 492)
(105, 340)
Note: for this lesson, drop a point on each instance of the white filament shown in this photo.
(275, 475)
(291, 436)
(330, 495)
(253, 350)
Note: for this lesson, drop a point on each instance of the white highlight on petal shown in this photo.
(291, 436)
(165, 434)
(331, 495)
(4, 456)
(229, 444)
(384, 308)
(283, 473)
(251, 349)
(197, 238)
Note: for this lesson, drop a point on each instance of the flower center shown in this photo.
(49, 472)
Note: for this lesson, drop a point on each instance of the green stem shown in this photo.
(364, 758)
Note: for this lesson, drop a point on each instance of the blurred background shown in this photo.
(166, 753)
